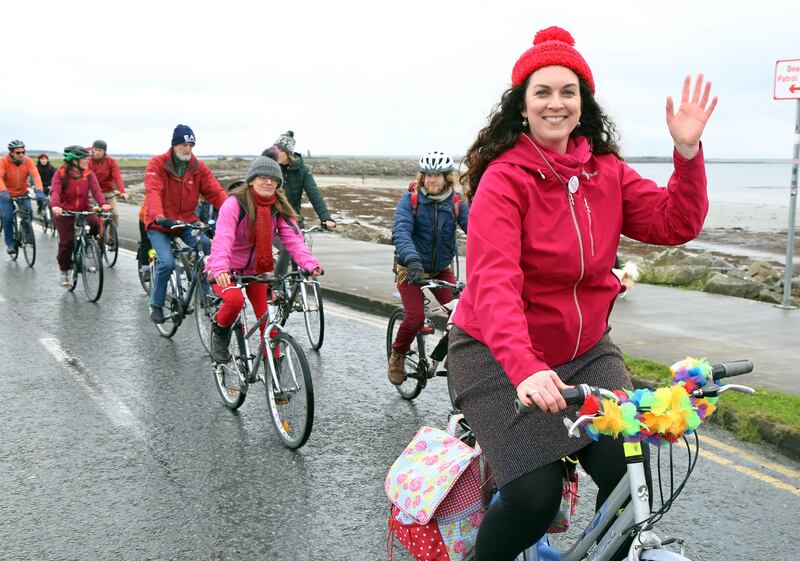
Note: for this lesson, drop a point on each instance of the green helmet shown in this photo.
(75, 152)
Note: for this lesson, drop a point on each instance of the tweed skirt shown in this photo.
(516, 444)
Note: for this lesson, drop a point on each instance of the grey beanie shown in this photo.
(101, 144)
(286, 142)
(265, 166)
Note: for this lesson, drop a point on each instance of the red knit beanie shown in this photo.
(551, 47)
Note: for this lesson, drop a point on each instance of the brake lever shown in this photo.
(736, 388)
(574, 426)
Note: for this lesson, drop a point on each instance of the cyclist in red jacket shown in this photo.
(72, 183)
(108, 175)
(173, 183)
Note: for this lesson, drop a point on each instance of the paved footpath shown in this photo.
(653, 322)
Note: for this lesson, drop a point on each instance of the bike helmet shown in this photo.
(75, 152)
(101, 144)
(436, 162)
(14, 144)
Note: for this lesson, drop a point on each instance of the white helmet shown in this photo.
(435, 162)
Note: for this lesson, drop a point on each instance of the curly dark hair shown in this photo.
(505, 126)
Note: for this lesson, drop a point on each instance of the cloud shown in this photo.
(357, 77)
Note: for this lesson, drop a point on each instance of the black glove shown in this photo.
(415, 272)
(165, 222)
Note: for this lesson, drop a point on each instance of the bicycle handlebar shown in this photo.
(436, 283)
(315, 228)
(732, 368)
(578, 394)
(77, 212)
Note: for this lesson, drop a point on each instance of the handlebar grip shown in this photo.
(573, 396)
(732, 368)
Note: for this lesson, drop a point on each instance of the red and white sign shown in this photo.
(787, 79)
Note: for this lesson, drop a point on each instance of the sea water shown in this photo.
(758, 184)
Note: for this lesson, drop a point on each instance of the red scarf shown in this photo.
(261, 234)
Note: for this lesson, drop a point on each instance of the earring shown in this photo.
(525, 122)
(579, 124)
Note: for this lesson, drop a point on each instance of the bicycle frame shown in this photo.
(633, 485)
(21, 215)
(241, 331)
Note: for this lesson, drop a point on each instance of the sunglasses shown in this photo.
(18, 152)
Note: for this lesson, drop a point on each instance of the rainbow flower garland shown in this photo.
(668, 412)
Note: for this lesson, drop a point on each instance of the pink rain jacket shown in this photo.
(232, 250)
(539, 286)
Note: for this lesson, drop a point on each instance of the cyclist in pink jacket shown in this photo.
(550, 198)
(248, 220)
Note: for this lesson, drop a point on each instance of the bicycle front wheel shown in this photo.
(205, 308)
(110, 243)
(172, 306)
(28, 244)
(145, 275)
(290, 391)
(314, 316)
(15, 234)
(415, 358)
(231, 377)
(91, 262)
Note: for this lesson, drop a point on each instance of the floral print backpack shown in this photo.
(436, 487)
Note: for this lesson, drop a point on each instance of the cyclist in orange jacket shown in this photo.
(15, 168)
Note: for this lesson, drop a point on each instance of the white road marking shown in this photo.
(113, 407)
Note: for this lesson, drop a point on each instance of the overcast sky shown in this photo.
(376, 78)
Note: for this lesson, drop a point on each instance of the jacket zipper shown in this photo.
(435, 235)
(575, 286)
(589, 214)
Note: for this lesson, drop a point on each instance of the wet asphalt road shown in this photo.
(114, 444)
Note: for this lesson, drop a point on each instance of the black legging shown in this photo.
(528, 505)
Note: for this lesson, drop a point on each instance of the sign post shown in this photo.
(787, 86)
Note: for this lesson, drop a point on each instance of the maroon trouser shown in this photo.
(414, 308)
(66, 237)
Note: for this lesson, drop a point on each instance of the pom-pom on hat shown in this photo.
(286, 142)
(551, 47)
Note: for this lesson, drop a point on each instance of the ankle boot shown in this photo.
(220, 339)
(397, 368)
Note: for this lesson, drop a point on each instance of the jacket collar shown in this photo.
(170, 167)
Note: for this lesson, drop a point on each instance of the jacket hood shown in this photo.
(524, 155)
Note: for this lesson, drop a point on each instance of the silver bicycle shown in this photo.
(624, 524)
(286, 375)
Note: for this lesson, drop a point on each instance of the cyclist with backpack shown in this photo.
(255, 212)
(70, 190)
(424, 237)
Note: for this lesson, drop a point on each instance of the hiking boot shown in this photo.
(397, 368)
(157, 314)
(65, 279)
(220, 339)
(12, 252)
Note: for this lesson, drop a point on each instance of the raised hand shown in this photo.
(687, 125)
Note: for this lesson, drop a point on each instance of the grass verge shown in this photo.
(767, 416)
